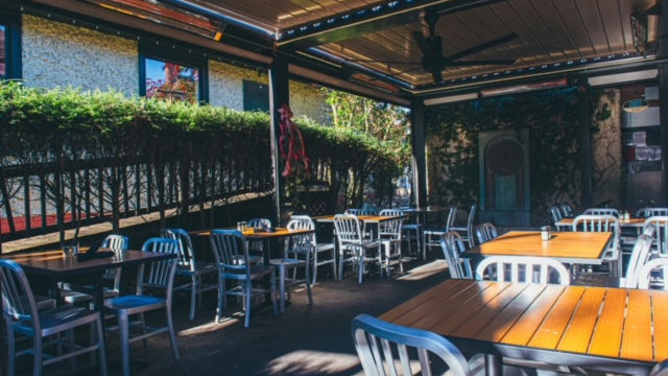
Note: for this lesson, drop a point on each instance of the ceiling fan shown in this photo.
(433, 59)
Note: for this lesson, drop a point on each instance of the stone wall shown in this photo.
(607, 150)
(58, 54)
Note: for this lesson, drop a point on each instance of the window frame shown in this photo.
(13, 58)
(245, 83)
(163, 54)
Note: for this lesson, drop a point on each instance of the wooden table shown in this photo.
(605, 329)
(364, 218)
(265, 236)
(567, 247)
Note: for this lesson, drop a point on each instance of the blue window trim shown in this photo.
(158, 53)
(12, 23)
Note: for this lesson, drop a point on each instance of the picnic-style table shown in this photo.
(567, 247)
(605, 329)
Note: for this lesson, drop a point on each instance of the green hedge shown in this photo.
(65, 126)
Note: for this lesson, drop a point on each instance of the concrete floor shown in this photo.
(305, 340)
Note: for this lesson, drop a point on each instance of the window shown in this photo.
(10, 44)
(161, 76)
(256, 96)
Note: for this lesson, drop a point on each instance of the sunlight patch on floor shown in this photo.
(209, 327)
(309, 362)
(425, 271)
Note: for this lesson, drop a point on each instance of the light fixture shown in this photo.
(220, 30)
(517, 89)
(450, 99)
(610, 79)
(634, 106)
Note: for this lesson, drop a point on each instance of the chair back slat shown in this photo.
(532, 269)
(452, 246)
(651, 212)
(186, 252)
(300, 243)
(599, 223)
(17, 298)
(567, 210)
(391, 229)
(556, 214)
(116, 243)
(602, 211)
(230, 250)
(639, 256)
(157, 274)
(264, 223)
(348, 229)
(659, 225)
(450, 221)
(371, 335)
(362, 211)
(486, 232)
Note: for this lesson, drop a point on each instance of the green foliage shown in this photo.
(67, 126)
(552, 120)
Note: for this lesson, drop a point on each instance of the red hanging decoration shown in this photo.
(291, 137)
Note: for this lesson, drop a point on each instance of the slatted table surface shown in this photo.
(610, 329)
(279, 232)
(568, 247)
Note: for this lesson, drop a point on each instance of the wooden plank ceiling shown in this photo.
(550, 32)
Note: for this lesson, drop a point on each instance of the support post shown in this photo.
(419, 154)
(586, 165)
(663, 99)
(279, 94)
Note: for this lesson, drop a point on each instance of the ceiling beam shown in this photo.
(369, 19)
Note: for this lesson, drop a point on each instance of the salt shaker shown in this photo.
(545, 233)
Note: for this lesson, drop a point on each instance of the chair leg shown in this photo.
(273, 290)
(37, 355)
(124, 331)
(307, 277)
(361, 268)
(172, 334)
(144, 341)
(281, 280)
(101, 352)
(341, 262)
(247, 301)
(221, 299)
(193, 296)
(333, 265)
(11, 350)
(69, 335)
(315, 267)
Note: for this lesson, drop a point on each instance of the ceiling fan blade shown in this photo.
(483, 46)
(468, 63)
(423, 44)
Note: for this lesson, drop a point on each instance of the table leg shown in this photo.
(99, 302)
(493, 366)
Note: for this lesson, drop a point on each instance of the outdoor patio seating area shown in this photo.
(334, 187)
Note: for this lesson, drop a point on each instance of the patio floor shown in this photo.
(304, 341)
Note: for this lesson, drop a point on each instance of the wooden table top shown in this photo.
(565, 246)
(615, 323)
(55, 264)
(363, 218)
(631, 222)
(280, 232)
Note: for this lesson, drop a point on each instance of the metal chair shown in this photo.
(453, 246)
(485, 232)
(602, 211)
(74, 294)
(467, 232)
(654, 274)
(660, 369)
(378, 342)
(660, 226)
(390, 237)
(556, 217)
(190, 268)
(156, 276)
(295, 245)
(361, 211)
(603, 223)
(22, 317)
(231, 253)
(257, 245)
(566, 210)
(651, 212)
(412, 231)
(432, 237)
(522, 269)
(305, 222)
(352, 245)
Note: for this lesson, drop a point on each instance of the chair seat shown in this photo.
(200, 268)
(322, 247)
(59, 319)
(256, 271)
(42, 302)
(135, 303)
(74, 297)
(596, 279)
(412, 226)
(287, 262)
